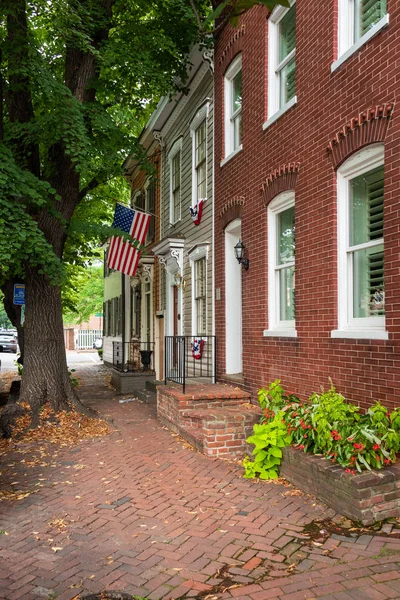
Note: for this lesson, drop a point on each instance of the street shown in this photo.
(7, 359)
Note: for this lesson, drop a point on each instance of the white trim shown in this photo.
(231, 155)
(200, 117)
(292, 333)
(359, 43)
(274, 108)
(176, 147)
(234, 68)
(276, 326)
(369, 327)
(195, 255)
(279, 113)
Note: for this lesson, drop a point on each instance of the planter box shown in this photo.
(368, 497)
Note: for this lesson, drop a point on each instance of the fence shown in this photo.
(85, 338)
(190, 358)
(131, 357)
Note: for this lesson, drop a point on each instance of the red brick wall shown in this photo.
(363, 370)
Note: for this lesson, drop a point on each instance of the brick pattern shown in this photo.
(231, 210)
(367, 497)
(280, 180)
(213, 418)
(362, 370)
(146, 515)
(367, 128)
(233, 47)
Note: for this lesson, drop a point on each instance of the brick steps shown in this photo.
(215, 419)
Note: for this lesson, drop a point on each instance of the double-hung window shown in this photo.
(200, 295)
(359, 20)
(281, 266)
(175, 182)
(281, 60)
(150, 196)
(233, 107)
(200, 159)
(361, 282)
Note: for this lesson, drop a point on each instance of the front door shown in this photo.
(233, 301)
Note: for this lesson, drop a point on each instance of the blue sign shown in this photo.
(19, 293)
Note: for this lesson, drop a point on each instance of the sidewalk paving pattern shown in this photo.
(139, 511)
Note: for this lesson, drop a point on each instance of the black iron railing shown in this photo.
(131, 357)
(189, 357)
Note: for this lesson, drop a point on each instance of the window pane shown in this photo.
(288, 82)
(237, 131)
(286, 231)
(237, 92)
(201, 181)
(367, 13)
(366, 207)
(286, 294)
(368, 282)
(201, 143)
(287, 37)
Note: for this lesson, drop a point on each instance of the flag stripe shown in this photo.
(121, 255)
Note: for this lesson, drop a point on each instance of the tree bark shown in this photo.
(45, 377)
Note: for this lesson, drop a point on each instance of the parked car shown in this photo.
(98, 343)
(8, 342)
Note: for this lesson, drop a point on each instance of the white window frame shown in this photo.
(200, 117)
(347, 45)
(134, 197)
(175, 149)
(277, 327)
(362, 162)
(199, 252)
(275, 110)
(234, 68)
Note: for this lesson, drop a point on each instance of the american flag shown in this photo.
(121, 255)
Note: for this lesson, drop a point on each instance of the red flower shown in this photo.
(376, 447)
(358, 446)
(301, 446)
(378, 458)
(348, 470)
(336, 435)
(387, 461)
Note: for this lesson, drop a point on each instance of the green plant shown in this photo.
(326, 424)
(269, 439)
(74, 380)
(100, 352)
(20, 368)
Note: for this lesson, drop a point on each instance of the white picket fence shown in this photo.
(84, 338)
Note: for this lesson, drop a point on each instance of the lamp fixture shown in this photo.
(179, 281)
(239, 250)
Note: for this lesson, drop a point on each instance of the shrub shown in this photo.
(326, 424)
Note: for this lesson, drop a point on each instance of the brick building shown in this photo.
(307, 141)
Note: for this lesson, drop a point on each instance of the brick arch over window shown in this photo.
(233, 47)
(280, 180)
(231, 210)
(366, 128)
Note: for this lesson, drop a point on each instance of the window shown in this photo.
(175, 182)
(359, 20)
(200, 162)
(361, 283)
(138, 200)
(233, 107)
(281, 266)
(200, 296)
(281, 59)
(150, 196)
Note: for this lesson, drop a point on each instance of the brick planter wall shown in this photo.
(367, 497)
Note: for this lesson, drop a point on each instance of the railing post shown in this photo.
(165, 358)
(184, 361)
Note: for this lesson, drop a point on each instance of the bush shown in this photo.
(326, 424)
(100, 353)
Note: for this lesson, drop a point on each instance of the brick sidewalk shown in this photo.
(141, 512)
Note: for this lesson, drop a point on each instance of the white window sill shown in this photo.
(291, 333)
(231, 155)
(280, 112)
(363, 40)
(364, 334)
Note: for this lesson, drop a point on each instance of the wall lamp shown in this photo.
(239, 255)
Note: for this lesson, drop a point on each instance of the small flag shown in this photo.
(196, 211)
(121, 255)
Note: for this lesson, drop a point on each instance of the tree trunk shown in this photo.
(45, 377)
